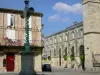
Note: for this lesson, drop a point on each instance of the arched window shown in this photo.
(73, 35)
(55, 40)
(72, 51)
(54, 52)
(60, 38)
(81, 32)
(50, 52)
(81, 50)
(66, 37)
(66, 51)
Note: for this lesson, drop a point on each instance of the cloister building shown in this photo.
(78, 46)
(66, 42)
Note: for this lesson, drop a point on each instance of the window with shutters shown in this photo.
(30, 25)
(11, 21)
(10, 34)
(30, 37)
(73, 35)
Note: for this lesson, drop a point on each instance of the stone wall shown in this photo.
(37, 63)
(64, 40)
(17, 63)
(91, 23)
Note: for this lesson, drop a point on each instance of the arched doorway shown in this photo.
(81, 50)
(72, 56)
(54, 53)
(66, 51)
(60, 57)
(72, 51)
(65, 57)
(82, 56)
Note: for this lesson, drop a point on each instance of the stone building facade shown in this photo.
(67, 42)
(91, 23)
(12, 39)
(80, 43)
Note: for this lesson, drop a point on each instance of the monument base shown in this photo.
(27, 64)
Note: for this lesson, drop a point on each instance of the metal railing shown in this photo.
(18, 42)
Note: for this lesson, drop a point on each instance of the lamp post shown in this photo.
(27, 56)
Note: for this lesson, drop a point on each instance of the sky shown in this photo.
(57, 14)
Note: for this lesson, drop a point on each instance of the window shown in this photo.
(81, 32)
(73, 35)
(11, 20)
(30, 25)
(30, 36)
(51, 40)
(66, 37)
(55, 39)
(54, 52)
(66, 51)
(60, 38)
(10, 34)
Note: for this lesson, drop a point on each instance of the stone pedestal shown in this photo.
(27, 64)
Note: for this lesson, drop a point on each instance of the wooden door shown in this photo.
(10, 62)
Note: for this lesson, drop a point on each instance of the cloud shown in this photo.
(65, 19)
(54, 17)
(57, 17)
(63, 7)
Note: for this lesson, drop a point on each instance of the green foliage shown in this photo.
(44, 58)
(49, 58)
(72, 58)
(82, 58)
(65, 57)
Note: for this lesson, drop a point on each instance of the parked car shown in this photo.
(46, 67)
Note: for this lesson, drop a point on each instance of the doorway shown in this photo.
(82, 56)
(10, 62)
(60, 57)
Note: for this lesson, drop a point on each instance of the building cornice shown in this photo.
(91, 33)
(90, 2)
(6, 10)
(67, 29)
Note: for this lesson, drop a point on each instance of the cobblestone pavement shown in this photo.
(60, 72)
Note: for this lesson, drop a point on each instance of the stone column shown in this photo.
(91, 24)
(4, 68)
(37, 63)
(1, 62)
(17, 62)
(27, 64)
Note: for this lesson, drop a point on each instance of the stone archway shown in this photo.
(65, 50)
(72, 57)
(72, 51)
(81, 48)
(82, 56)
(60, 57)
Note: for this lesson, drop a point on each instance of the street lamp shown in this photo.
(27, 56)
